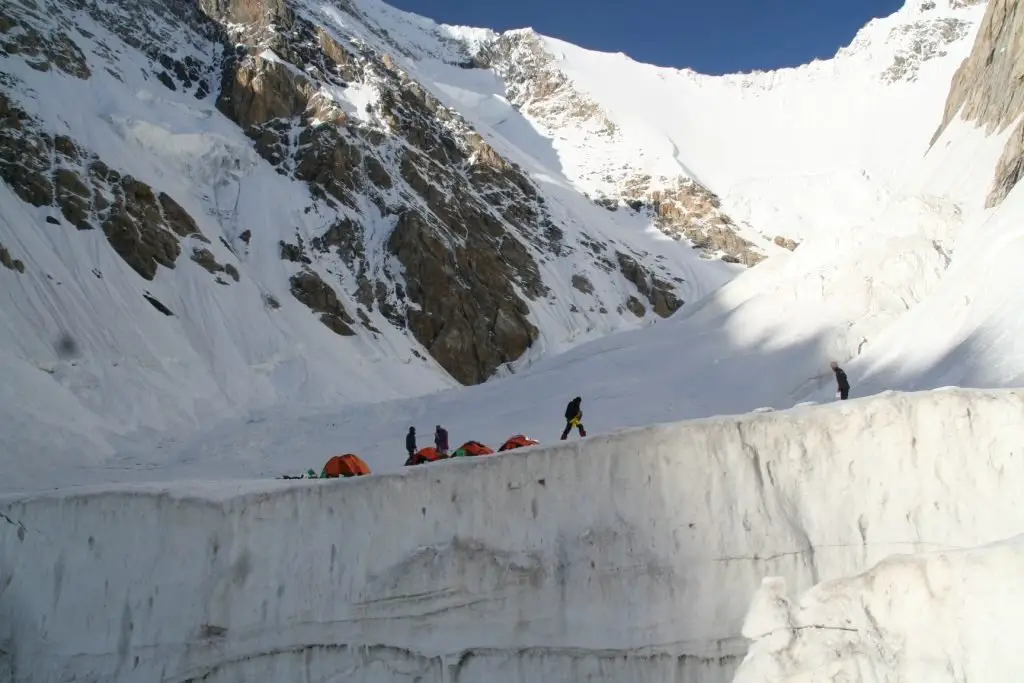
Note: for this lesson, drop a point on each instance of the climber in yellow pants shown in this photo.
(573, 418)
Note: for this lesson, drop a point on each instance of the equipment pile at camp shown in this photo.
(351, 465)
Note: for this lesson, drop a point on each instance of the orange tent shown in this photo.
(429, 454)
(518, 441)
(347, 465)
(472, 448)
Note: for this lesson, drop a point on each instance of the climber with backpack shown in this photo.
(573, 418)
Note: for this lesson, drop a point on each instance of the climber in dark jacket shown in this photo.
(842, 383)
(410, 441)
(573, 418)
(441, 440)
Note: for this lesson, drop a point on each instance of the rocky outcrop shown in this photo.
(536, 86)
(143, 226)
(470, 318)
(687, 210)
(682, 208)
(922, 41)
(988, 89)
(9, 262)
(658, 292)
(309, 288)
(23, 32)
(785, 243)
(424, 223)
(459, 270)
(206, 259)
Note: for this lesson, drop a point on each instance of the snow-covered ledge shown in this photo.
(627, 557)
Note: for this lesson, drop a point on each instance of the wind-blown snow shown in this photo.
(509, 567)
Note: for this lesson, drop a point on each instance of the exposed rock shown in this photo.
(73, 198)
(137, 229)
(7, 261)
(206, 259)
(988, 89)
(177, 219)
(785, 242)
(295, 253)
(925, 41)
(263, 90)
(536, 86)
(470, 318)
(309, 288)
(582, 284)
(635, 307)
(329, 161)
(686, 209)
(658, 292)
(346, 238)
(157, 304)
(42, 47)
(45, 170)
(25, 155)
(261, 13)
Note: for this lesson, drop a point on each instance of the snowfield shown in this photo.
(632, 557)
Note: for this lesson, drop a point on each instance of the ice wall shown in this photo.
(631, 557)
(942, 617)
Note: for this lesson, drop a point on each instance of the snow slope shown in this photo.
(795, 152)
(226, 352)
(632, 557)
(940, 616)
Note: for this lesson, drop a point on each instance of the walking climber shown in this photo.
(410, 442)
(842, 383)
(573, 418)
(441, 440)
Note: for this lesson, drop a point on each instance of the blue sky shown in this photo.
(711, 36)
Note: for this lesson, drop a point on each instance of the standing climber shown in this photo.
(842, 383)
(410, 442)
(573, 418)
(441, 440)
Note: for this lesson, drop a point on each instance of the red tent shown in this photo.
(517, 441)
(347, 465)
(424, 455)
(472, 448)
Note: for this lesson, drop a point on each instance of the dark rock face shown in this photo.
(43, 48)
(8, 261)
(424, 224)
(987, 89)
(469, 327)
(310, 289)
(142, 226)
(459, 211)
(206, 259)
(582, 284)
(658, 292)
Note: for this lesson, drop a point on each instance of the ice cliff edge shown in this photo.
(620, 557)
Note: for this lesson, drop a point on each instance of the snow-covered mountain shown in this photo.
(625, 556)
(221, 207)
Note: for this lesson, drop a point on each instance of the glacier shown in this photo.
(630, 556)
